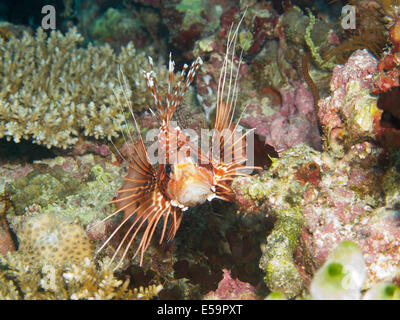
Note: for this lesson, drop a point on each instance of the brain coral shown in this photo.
(52, 90)
(52, 239)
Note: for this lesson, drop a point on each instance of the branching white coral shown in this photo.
(51, 90)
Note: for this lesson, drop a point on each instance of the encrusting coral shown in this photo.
(53, 91)
(62, 191)
(55, 261)
(279, 195)
(345, 192)
(51, 238)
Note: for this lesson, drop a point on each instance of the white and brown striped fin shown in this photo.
(147, 210)
(228, 82)
(225, 134)
(152, 84)
(174, 98)
(139, 197)
(143, 205)
(231, 143)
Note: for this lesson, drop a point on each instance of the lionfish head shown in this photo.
(189, 184)
(186, 183)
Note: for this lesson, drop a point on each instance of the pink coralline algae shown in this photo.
(291, 124)
(102, 150)
(350, 113)
(355, 198)
(284, 117)
(360, 68)
(232, 289)
(345, 218)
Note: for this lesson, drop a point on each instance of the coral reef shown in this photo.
(118, 27)
(294, 123)
(41, 188)
(346, 192)
(54, 92)
(372, 22)
(85, 281)
(6, 240)
(55, 185)
(279, 195)
(350, 114)
(188, 21)
(278, 104)
(336, 201)
(277, 259)
(55, 259)
(321, 223)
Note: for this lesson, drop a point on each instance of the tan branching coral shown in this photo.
(52, 91)
(86, 280)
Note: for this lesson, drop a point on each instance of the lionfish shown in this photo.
(188, 176)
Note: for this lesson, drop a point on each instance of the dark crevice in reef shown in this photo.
(24, 151)
(389, 102)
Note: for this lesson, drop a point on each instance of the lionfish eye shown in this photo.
(168, 169)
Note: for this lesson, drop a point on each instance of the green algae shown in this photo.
(276, 295)
(92, 201)
(245, 40)
(313, 37)
(114, 22)
(281, 273)
(41, 188)
(56, 191)
(279, 195)
(195, 6)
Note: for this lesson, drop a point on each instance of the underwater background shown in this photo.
(318, 84)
